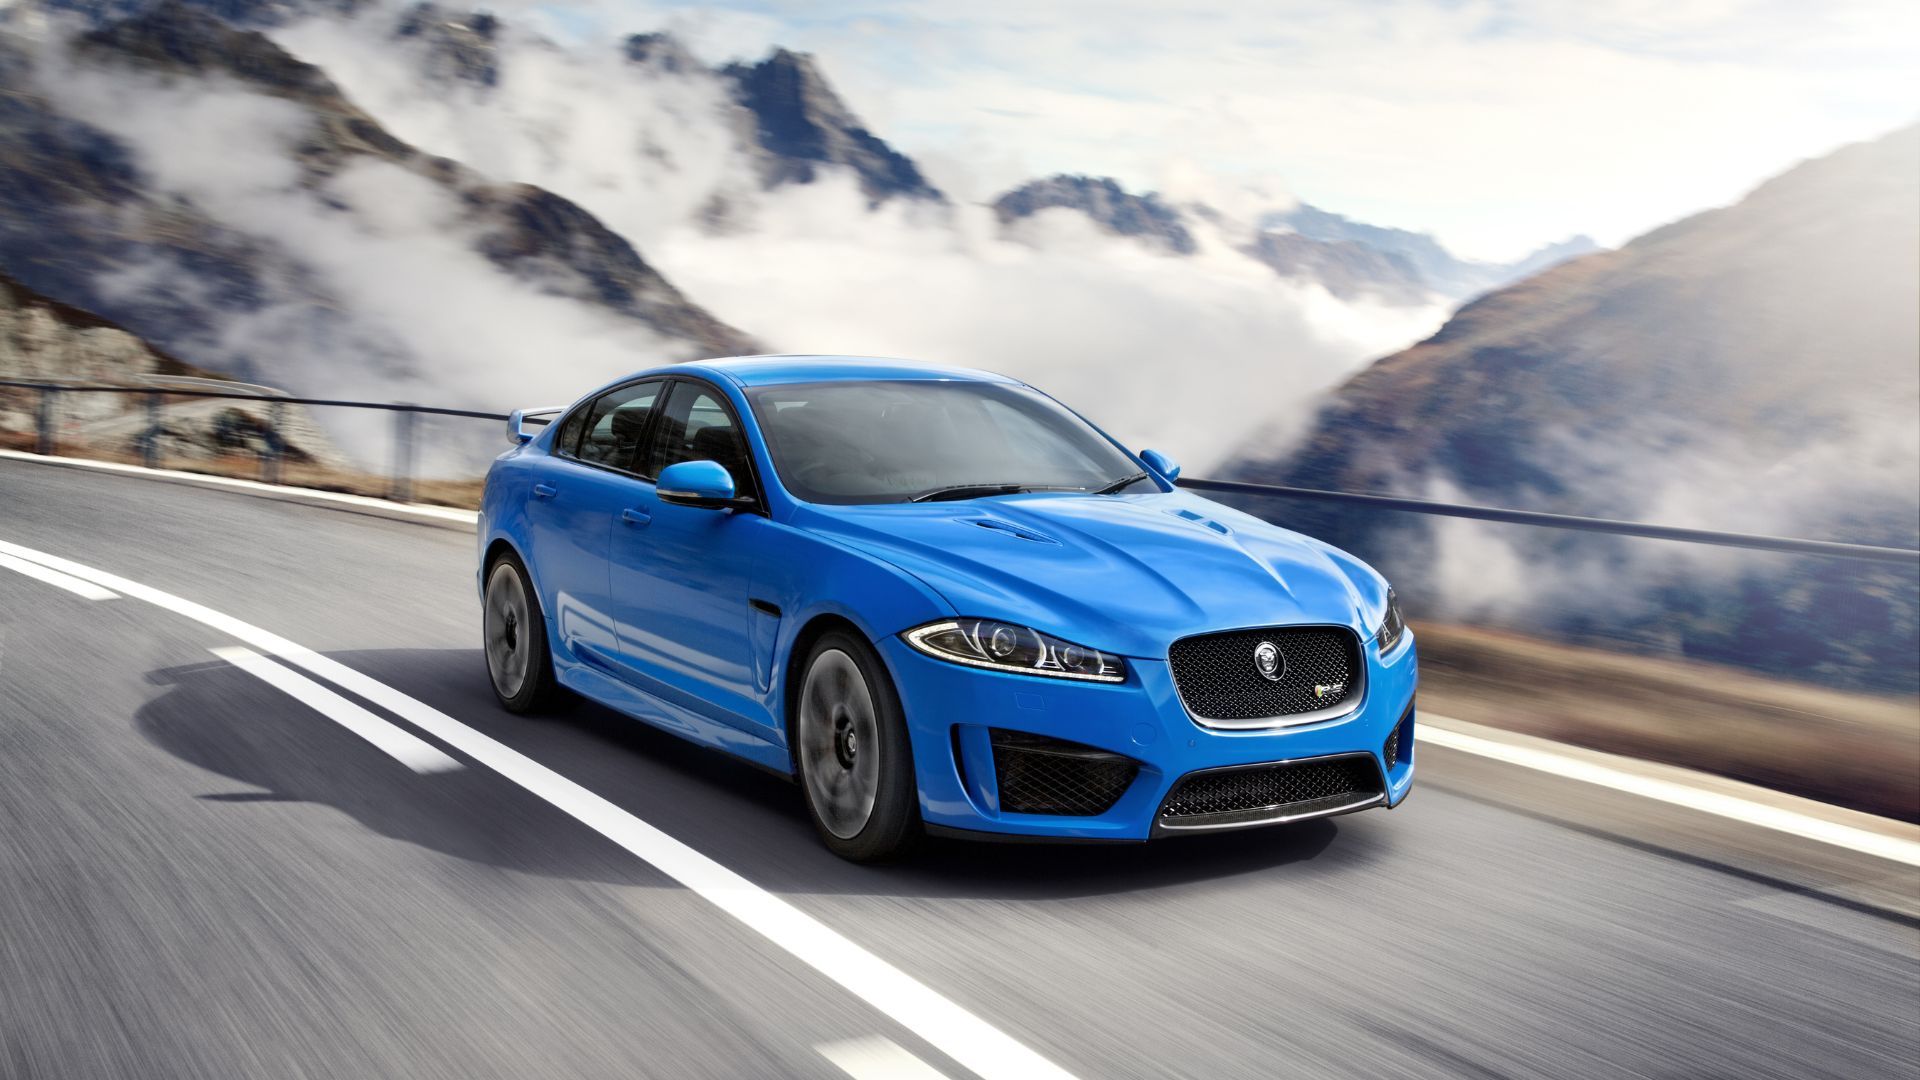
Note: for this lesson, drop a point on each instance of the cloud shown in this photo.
(1188, 354)
(389, 298)
(1499, 126)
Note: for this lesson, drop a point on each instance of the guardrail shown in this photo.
(400, 476)
(405, 415)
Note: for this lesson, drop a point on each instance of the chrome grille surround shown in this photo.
(1221, 687)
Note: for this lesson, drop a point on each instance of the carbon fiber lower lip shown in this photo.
(1271, 815)
(1371, 793)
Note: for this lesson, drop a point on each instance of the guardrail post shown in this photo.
(49, 406)
(272, 446)
(150, 442)
(401, 488)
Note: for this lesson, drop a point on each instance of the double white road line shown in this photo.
(956, 1032)
(962, 1036)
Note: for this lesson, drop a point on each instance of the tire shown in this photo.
(514, 640)
(852, 752)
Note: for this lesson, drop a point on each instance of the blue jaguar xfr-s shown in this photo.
(941, 600)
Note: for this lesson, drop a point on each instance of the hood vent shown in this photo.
(1202, 520)
(1017, 532)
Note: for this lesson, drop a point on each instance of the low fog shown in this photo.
(1185, 354)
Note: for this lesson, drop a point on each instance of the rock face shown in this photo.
(800, 124)
(1753, 368)
(42, 339)
(461, 46)
(45, 341)
(1111, 207)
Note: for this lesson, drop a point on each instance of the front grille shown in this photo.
(1392, 751)
(1280, 789)
(1219, 677)
(1039, 775)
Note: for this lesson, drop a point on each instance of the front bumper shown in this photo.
(953, 709)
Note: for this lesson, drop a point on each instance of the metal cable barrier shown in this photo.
(1786, 544)
(400, 481)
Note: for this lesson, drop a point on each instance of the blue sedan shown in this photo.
(943, 602)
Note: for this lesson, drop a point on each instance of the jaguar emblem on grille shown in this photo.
(1269, 661)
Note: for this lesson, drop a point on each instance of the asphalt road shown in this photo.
(201, 876)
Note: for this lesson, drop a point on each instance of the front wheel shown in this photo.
(856, 765)
(515, 634)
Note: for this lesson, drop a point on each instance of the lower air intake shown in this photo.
(1262, 793)
(1039, 775)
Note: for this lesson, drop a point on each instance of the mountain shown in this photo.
(800, 124)
(1441, 270)
(1348, 269)
(81, 209)
(1753, 368)
(1109, 205)
(1352, 260)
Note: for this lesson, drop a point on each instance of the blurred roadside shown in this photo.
(1856, 750)
(1859, 750)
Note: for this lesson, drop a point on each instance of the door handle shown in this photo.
(545, 491)
(635, 517)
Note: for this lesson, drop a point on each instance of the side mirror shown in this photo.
(524, 425)
(1161, 464)
(705, 484)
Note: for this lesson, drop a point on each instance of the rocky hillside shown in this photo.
(43, 340)
(81, 209)
(1754, 368)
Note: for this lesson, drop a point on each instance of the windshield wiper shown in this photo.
(1120, 483)
(967, 491)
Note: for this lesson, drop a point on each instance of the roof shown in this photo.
(804, 368)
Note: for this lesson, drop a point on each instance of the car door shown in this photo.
(573, 507)
(681, 575)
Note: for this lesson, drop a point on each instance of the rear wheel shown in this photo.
(515, 635)
(856, 765)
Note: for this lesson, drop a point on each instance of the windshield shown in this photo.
(898, 441)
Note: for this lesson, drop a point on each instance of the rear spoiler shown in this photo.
(524, 424)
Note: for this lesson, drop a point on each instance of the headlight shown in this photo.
(1019, 649)
(1393, 627)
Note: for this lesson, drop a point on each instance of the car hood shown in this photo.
(1129, 574)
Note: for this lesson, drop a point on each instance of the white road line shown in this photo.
(1717, 803)
(404, 746)
(284, 491)
(878, 1058)
(959, 1034)
(68, 582)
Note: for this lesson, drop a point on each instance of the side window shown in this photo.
(567, 442)
(614, 425)
(696, 425)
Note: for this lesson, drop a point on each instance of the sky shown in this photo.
(1496, 126)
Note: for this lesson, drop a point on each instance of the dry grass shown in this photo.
(1851, 749)
(463, 494)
